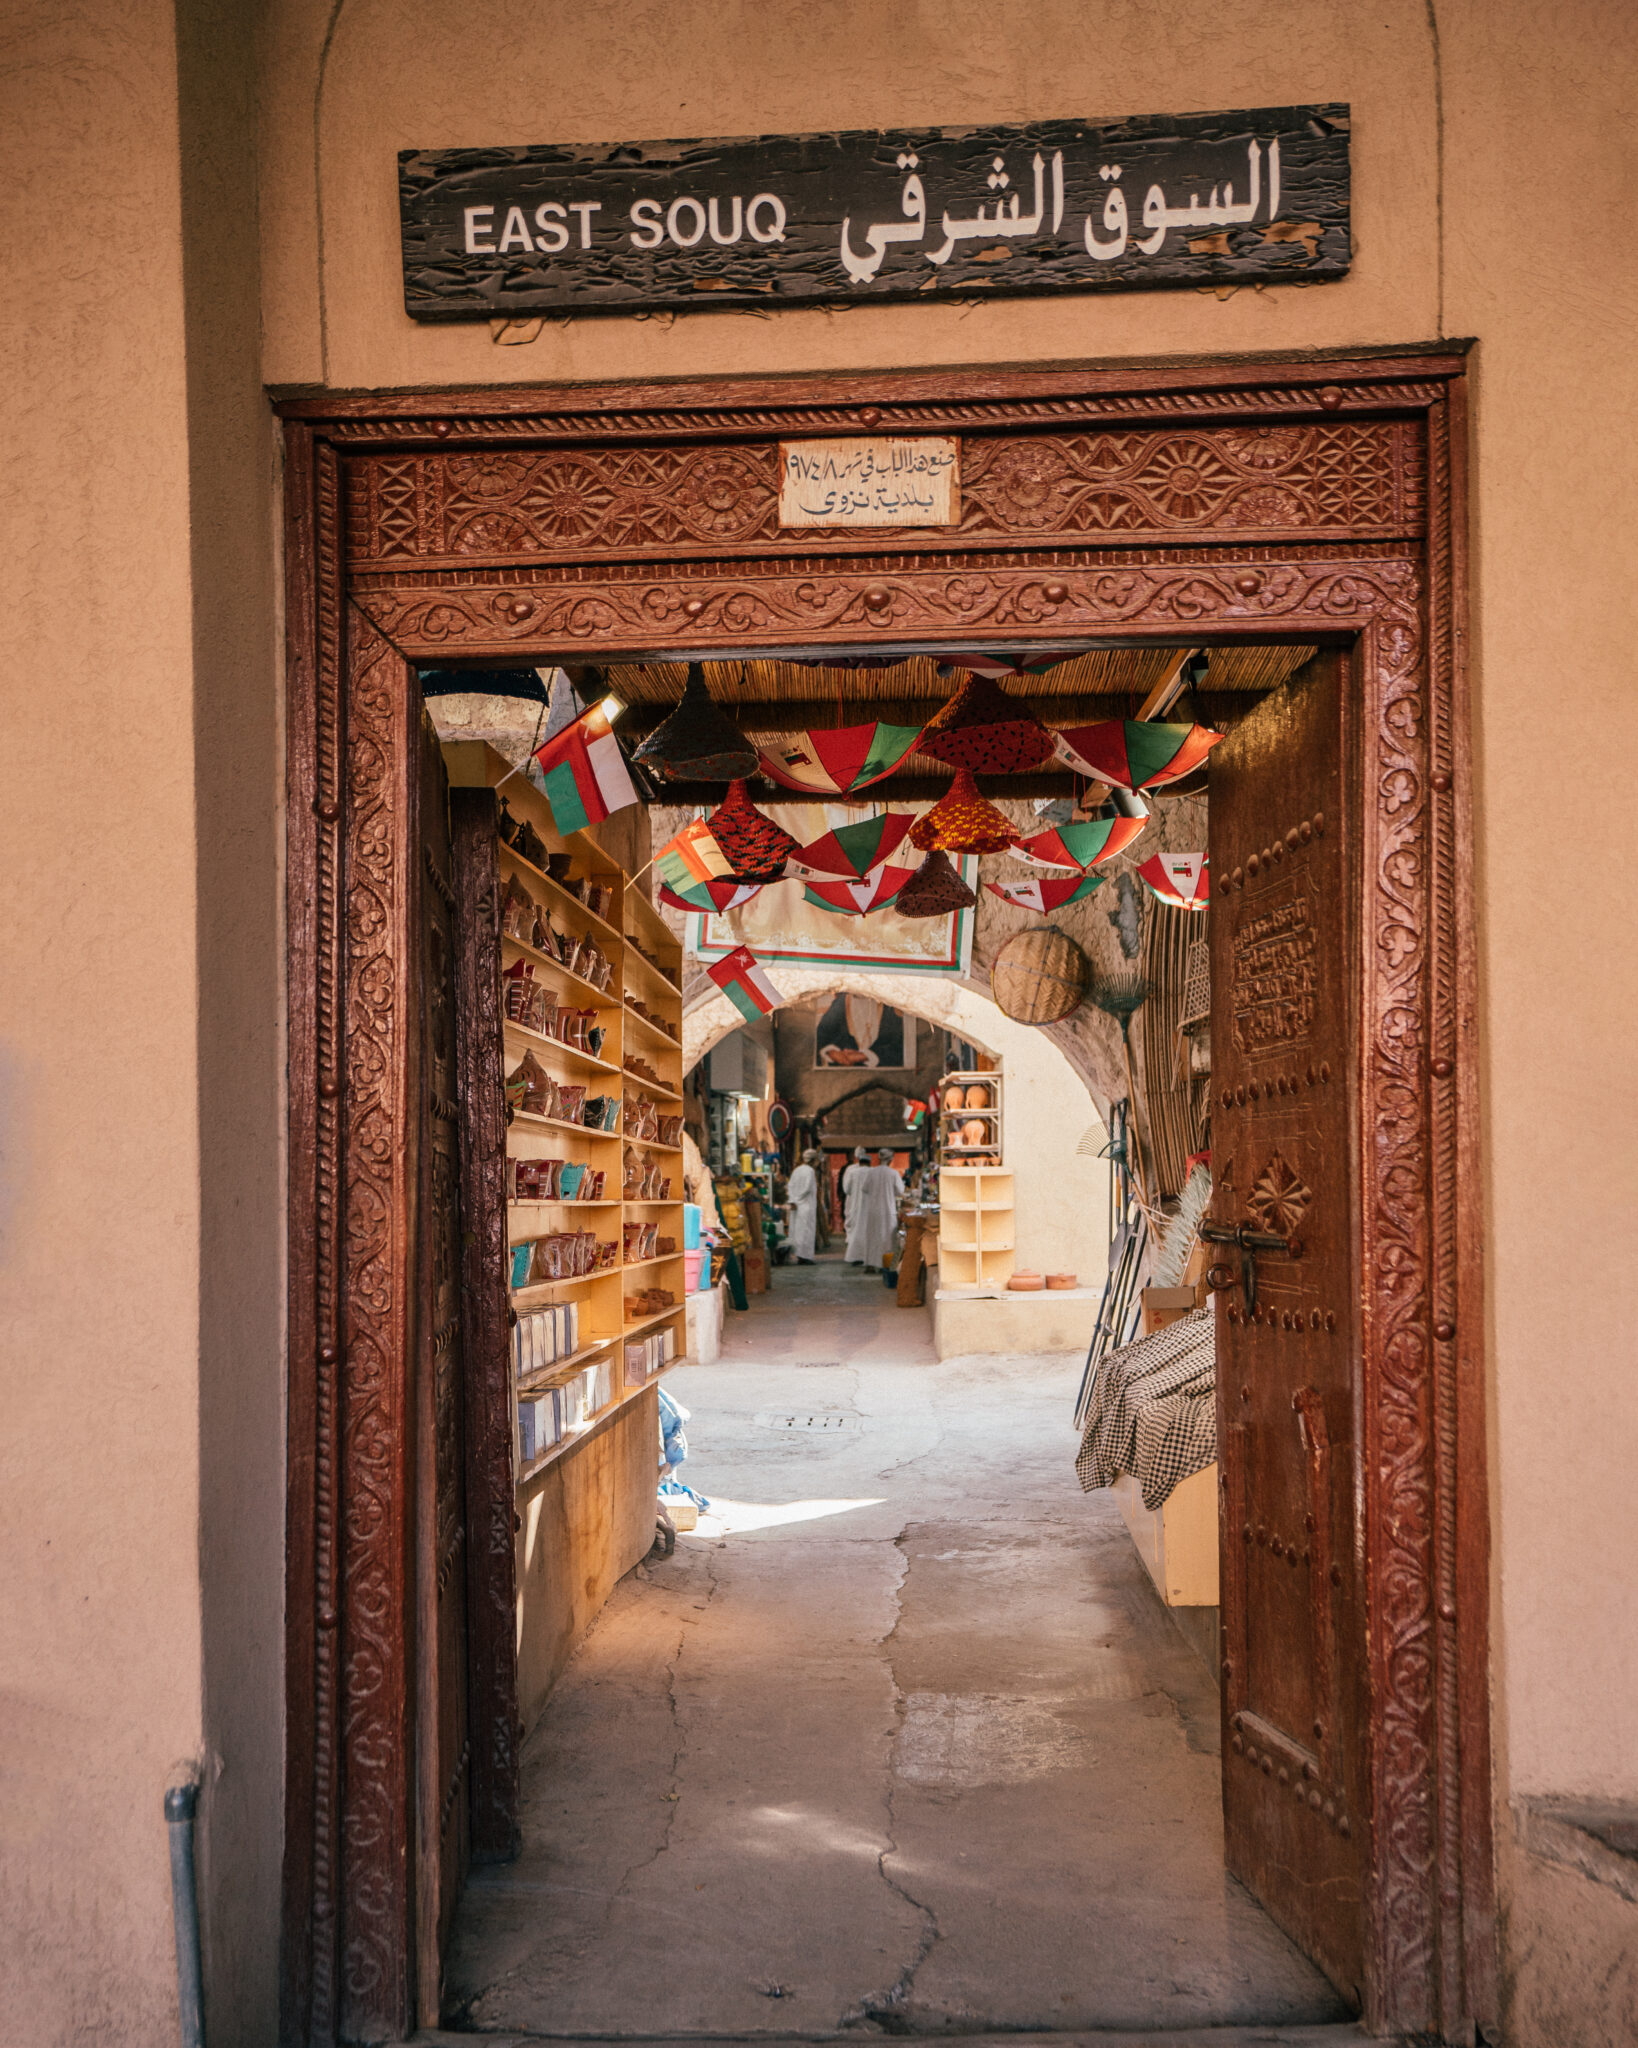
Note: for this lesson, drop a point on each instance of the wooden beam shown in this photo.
(818, 714)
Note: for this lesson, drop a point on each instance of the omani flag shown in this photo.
(745, 985)
(584, 773)
(691, 857)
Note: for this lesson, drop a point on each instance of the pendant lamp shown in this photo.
(755, 848)
(934, 890)
(982, 727)
(1180, 879)
(1083, 845)
(962, 821)
(1135, 753)
(698, 742)
(853, 850)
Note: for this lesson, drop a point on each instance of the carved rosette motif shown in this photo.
(1084, 525)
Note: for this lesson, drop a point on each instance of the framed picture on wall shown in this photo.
(857, 1031)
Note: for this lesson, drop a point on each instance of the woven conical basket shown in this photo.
(1039, 976)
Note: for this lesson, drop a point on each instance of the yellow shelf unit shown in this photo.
(960, 1142)
(977, 1243)
(615, 1303)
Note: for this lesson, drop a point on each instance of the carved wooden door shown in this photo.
(1287, 1277)
(443, 1824)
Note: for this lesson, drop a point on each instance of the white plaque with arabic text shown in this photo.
(870, 480)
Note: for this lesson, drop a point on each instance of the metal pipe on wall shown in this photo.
(181, 1804)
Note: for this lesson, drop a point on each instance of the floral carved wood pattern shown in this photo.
(596, 501)
(1293, 506)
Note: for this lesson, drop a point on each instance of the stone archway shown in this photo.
(1063, 1192)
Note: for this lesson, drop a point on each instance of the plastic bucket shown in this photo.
(691, 1268)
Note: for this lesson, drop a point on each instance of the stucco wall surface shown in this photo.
(99, 1178)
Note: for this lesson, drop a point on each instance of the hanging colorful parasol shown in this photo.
(1053, 892)
(837, 762)
(1135, 753)
(978, 661)
(711, 897)
(857, 899)
(1082, 845)
(981, 727)
(1180, 879)
(853, 850)
(962, 821)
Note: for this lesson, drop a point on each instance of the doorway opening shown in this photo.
(1075, 538)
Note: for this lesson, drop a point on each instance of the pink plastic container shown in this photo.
(691, 1270)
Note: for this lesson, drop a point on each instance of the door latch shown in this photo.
(1250, 1241)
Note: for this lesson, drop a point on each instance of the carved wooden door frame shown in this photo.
(1299, 500)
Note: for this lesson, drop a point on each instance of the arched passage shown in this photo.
(1062, 1191)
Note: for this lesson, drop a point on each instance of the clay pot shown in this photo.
(978, 1096)
(1025, 1283)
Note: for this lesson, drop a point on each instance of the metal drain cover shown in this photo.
(827, 1420)
(817, 1364)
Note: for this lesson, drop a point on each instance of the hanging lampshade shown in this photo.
(1135, 753)
(853, 850)
(962, 821)
(1181, 879)
(756, 849)
(711, 897)
(982, 727)
(934, 890)
(839, 761)
(1084, 845)
(857, 899)
(1051, 892)
(698, 742)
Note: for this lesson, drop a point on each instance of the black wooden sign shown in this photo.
(1052, 206)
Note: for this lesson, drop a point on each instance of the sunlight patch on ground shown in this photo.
(735, 1517)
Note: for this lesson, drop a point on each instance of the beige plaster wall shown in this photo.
(100, 1688)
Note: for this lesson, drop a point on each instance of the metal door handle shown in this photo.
(1250, 1241)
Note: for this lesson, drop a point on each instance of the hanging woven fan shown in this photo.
(1135, 753)
(711, 897)
(857, 899)
(839, 761)
(981, 727)
(697, 743)
(934, 890)
(962, 821)
(1083, 845)
(853, 850)
(1181, 879)
(1052, 892)
(756, 849)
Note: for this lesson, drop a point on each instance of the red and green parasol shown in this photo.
(853, 850)
(857, 899)
(1181, 879)
(1052, 892)
(1135, 753)
(1083, 845)
(978, 661)
(837, 762)
(711, 897)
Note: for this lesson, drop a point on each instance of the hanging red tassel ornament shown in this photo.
(962, 821)
(982, 728)
(934, 890)
(755, 848)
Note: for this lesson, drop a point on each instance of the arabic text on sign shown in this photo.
(869, 481)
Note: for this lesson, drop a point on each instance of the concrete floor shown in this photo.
(900, 1740)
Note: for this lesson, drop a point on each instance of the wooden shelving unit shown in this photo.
(956, 1148)
(614, 1302)
(976, 1232)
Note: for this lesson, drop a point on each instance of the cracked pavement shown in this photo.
(900, 1741)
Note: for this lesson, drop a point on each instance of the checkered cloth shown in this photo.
(1153, 1410)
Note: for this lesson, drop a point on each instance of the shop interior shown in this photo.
(867, 1566)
